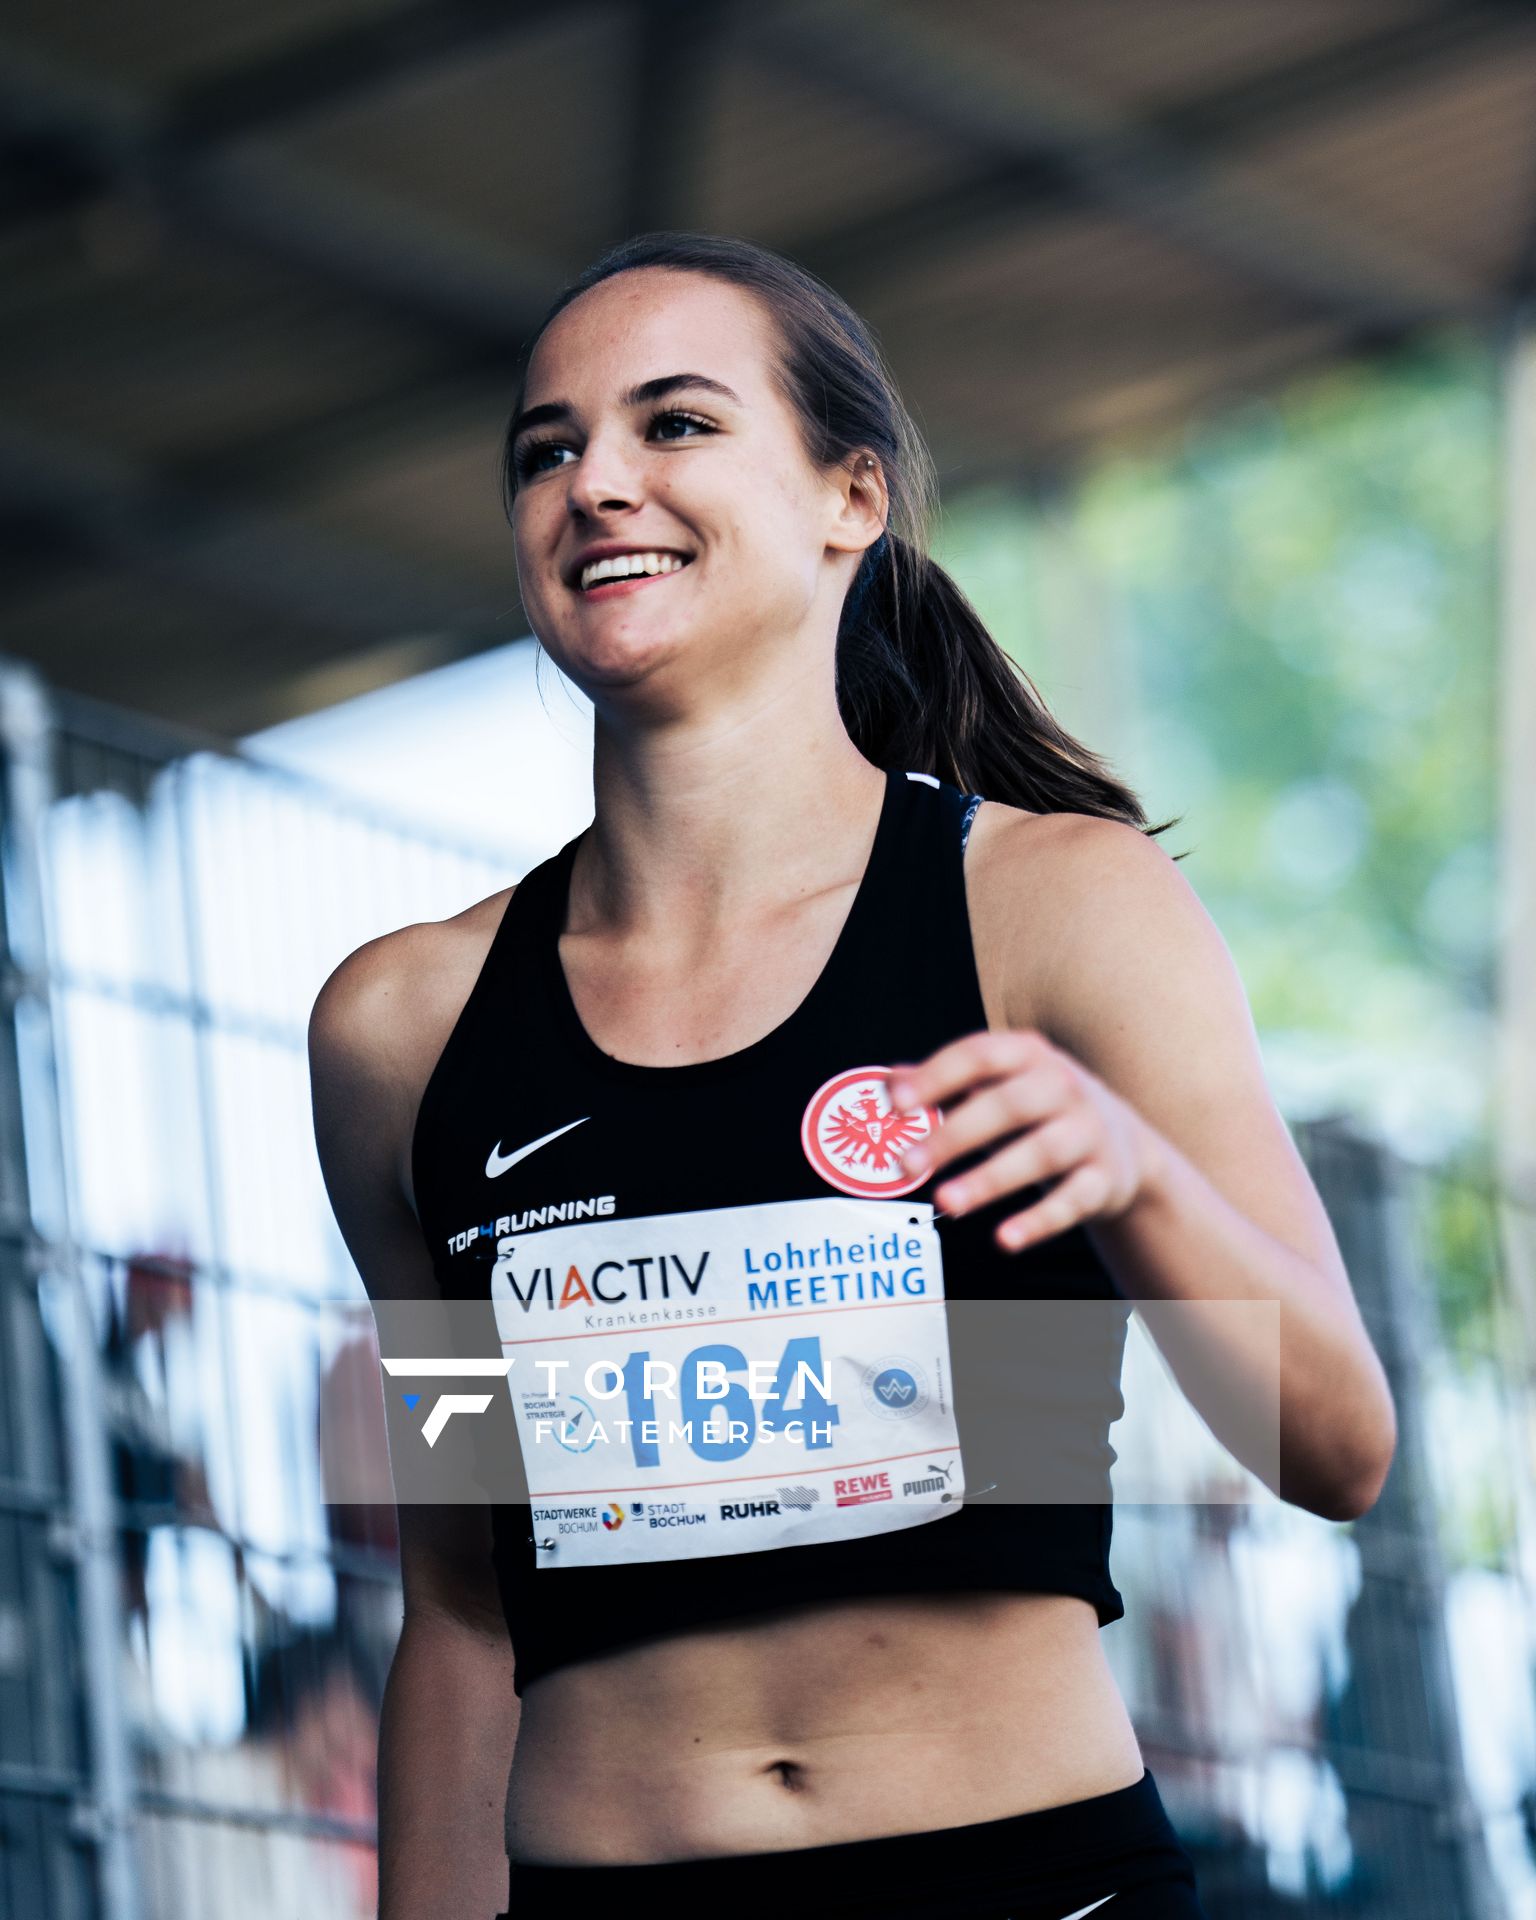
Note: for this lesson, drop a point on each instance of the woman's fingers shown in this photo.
(1025, 1098)
(1080, 1196)
(963, 1063)
(1046, 1151)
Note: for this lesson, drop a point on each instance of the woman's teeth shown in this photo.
(624, 566)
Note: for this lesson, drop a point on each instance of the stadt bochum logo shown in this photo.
(855, 1138)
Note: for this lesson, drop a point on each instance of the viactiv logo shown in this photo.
(613, 1516)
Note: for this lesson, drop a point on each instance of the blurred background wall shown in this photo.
(1218, 315)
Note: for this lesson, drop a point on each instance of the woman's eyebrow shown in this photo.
(648, 390)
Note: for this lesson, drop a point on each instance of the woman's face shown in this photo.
(718, 477)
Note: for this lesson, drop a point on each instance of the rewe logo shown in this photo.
(499, 1161)
(860, 1488)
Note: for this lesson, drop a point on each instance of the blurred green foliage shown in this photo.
(1456, 1230)
(1281, 624)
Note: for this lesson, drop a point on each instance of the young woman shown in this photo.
(835, 835)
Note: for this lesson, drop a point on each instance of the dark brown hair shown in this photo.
(921, 685)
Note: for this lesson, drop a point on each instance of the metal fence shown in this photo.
(194, 1641)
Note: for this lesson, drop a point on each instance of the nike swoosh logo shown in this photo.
(499, 1161)
(1093, 1907)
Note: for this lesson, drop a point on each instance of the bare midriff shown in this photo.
(836, 1721)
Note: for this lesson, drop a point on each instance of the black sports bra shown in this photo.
(526, 1129)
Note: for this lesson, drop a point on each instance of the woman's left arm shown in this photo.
(1140, 1091)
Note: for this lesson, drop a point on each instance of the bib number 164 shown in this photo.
(717, 1415)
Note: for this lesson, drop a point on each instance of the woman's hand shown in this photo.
(1073, 1125)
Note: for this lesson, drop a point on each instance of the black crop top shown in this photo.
(518, 1068)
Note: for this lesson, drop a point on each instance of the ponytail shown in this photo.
(922, 685)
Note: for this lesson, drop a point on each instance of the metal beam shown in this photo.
(87, 130)
(1033, 184)
(1520, 282)
(1053, 151)
(340, 65)
(904, 62)
(1343, 77)
(1058, 154)
(53, 1258)
(1040, 184)
(674, 46)
(397, 421)
(107, 505)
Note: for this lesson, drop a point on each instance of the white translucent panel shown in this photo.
(1493, 1651)
(116, 904)
(129, 1087)
(265, 1159)
(165, 1366)
(1236, 1630)
(50, 1151)
(276, 1413)
(234, 882)
(493, 752)
(196, 1679)
(1298, 1814)
(285, 883)
(197, 1865)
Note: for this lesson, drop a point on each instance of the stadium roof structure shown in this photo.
(269, 270)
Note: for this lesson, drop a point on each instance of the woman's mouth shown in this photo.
(615, 586)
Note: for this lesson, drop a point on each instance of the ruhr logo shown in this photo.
(855, 1138)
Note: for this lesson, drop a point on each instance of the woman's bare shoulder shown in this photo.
(392, 996)
(1072, 851)
(1039, 885)
(376, 1029)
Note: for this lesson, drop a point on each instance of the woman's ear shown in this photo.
(865, 504)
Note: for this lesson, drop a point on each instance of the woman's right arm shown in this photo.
(449, 1717)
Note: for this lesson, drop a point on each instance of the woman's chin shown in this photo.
(620, 661)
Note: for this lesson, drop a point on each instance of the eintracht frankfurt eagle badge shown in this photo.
(855, 1138)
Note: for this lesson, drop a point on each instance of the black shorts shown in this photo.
(1113, 1857)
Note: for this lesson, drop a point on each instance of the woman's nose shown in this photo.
(604, 477)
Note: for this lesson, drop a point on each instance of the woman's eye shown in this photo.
(531, 453)
(691, 419)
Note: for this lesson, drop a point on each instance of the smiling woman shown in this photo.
(771, 1621)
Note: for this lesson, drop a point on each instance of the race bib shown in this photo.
(729, 1380)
